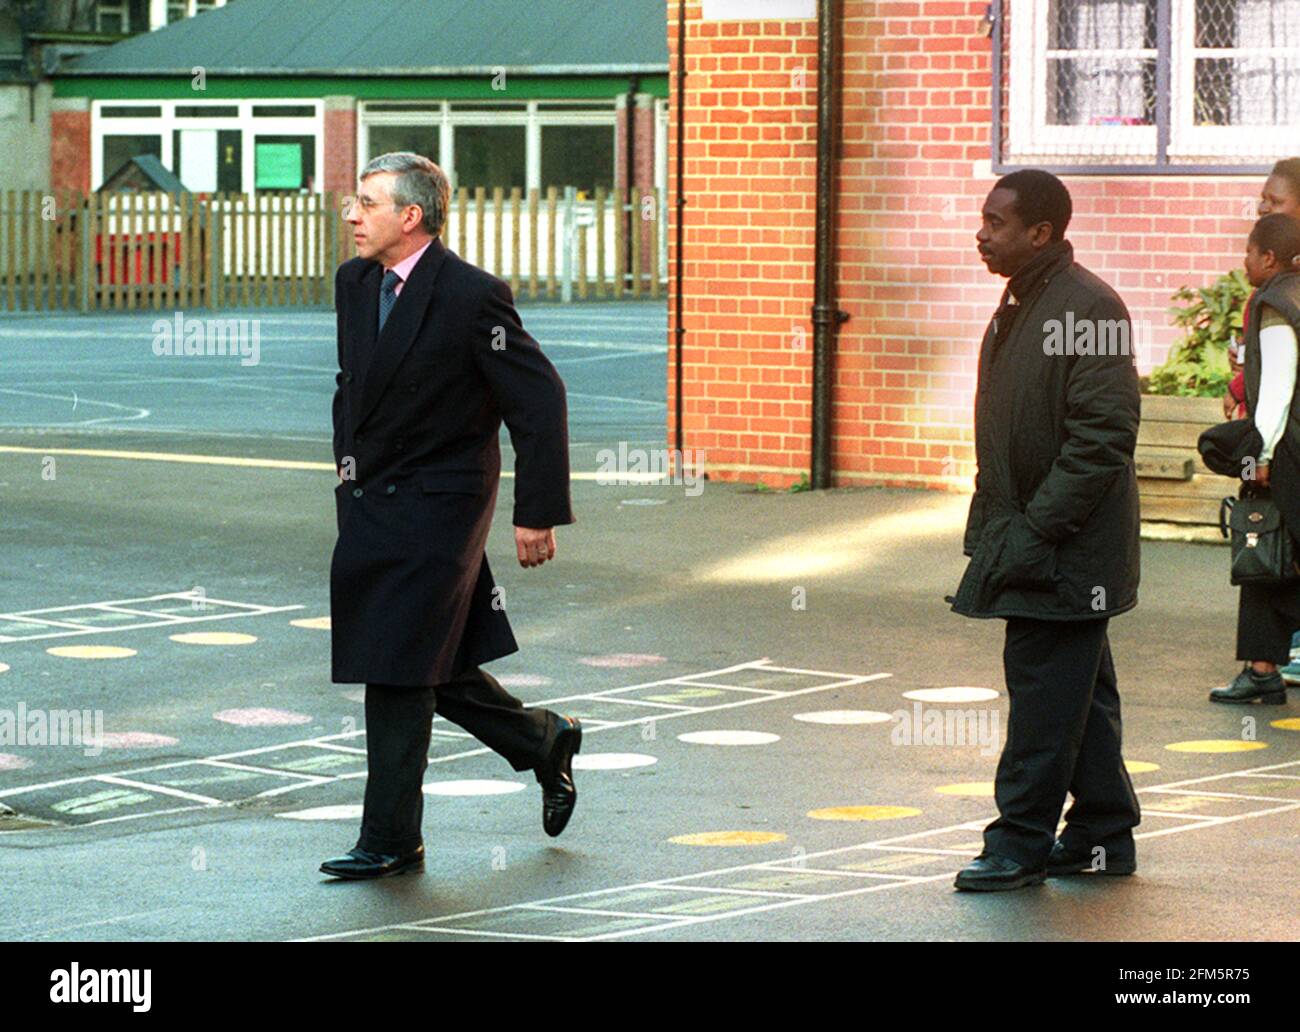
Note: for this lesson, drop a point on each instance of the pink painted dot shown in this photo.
(8, 761)
(134, 740)
(622, 659)
(256, 716)
(524, 680)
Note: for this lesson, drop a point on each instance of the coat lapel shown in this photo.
(386, 353)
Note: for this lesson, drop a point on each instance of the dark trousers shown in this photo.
(398, 729)
(1063, 735)
(1267, 616)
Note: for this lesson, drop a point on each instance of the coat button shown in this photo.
(411, 388)
(357, 492)
(347, 377)
(390, 489)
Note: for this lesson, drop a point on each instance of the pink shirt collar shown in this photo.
(404, 267)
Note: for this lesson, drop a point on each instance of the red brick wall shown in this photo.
(340, 147)
(914, 169)
(70, 150)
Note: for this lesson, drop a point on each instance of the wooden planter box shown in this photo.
(1174, 486)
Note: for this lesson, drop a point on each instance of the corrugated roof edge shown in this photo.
(375, 73)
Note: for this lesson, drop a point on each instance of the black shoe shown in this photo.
(1249, 686)
(989, 873)
(1066, 861)
(361, 863)
(555, 775)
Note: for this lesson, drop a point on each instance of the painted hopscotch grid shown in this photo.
(208, 783)
(125, 614)
(728, 893)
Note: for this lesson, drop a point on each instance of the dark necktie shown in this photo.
(387, 296)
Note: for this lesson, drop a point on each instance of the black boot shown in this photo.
(1249, 686)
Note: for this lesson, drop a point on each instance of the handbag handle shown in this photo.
(1225, 507)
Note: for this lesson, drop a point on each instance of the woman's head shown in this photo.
(1281, 192)
(1273, 247)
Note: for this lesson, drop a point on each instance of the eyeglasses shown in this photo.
(366, 203)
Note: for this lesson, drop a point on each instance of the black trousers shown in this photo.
(398, 729)
(1063, 735)
(1267, 616)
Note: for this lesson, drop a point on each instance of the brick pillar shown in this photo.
(750, 141)
(340, 172)
(70, 144)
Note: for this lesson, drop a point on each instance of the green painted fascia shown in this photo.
(388, 88)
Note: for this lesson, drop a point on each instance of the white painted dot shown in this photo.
(257, 716)
(955, 694)
(8, 761)
(134, 740)
(622, 659)
(312, 623)
(844, 716)
(3, 667)
(355, 694)
(525, 680)
(644, 501)
(325, 813)
(728, 738)
(472, 788)
(613, 761)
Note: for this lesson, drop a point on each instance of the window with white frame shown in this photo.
(1149, 82)
(504, 144)
(237, 146)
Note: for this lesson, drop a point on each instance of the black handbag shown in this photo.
(1262, 552)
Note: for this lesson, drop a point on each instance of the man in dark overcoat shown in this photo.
(432, 358)
(1053, 540)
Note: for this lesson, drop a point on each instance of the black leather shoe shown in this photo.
(1066, 861)
(361, 863)
(989, 873)
(555, 775)
(1249, 686)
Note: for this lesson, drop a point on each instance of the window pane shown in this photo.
(284, 162)
(1100, 91)
(1101, 25)
(118, 150)
(421, 139)
(207, 111)
(1091, 80)
(578, 155)
(1245, 88)
(489, 155)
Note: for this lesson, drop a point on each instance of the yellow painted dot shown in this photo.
(967, 788)
(728, 838)
(313, 623)
(862, 813)
(91, 651)
(1140, 766)
(1216, 745)
(214, 638)
(1289, 724)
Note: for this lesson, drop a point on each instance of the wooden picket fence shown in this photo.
(63, 250)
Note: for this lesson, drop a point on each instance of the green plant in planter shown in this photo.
(1197, 365)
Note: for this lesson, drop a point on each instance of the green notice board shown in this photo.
(278, 166)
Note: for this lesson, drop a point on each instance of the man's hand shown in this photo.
(1261, 474)
(534, 546)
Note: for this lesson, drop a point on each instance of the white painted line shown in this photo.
(1224, 795)
(710, 890)
(653, 705)
(599, 913)
(313, 779)
(714, 684)
(785, 866)
(160, 789)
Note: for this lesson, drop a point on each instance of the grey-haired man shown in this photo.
(432, 358)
